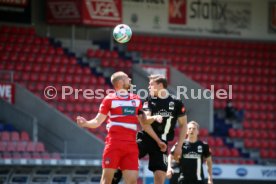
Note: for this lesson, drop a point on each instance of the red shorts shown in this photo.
(123, 156)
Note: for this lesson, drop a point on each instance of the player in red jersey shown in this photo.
(124, 110)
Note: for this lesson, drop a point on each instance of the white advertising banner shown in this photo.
(252, 19)
(245, 172)
(232, 172)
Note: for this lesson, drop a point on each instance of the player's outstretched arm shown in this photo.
(93, 123)
(183, 131)
(209, 164)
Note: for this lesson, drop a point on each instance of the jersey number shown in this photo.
(167, 128)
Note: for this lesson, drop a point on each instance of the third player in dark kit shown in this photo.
(194, 153)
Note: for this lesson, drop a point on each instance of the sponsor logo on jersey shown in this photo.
(171, 106)
(128, 110)
(192, 155)
(183, 109)
(163, 113)
(199, 149)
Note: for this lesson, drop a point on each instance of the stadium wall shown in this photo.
(56, 130)
(18, 118)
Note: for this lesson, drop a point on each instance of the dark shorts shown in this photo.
(158, 160)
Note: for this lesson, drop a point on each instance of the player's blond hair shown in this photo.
(194, 123)
(158, 78)
(115, 77)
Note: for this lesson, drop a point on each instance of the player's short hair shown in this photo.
(115, 77)
(194, 123)
(159, 79)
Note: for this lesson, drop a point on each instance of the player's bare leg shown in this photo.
(107, 176)
(130, 176)
(159, 177)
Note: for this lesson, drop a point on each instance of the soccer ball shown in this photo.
(122, 33)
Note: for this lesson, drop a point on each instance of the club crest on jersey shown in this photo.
(171, 106)
(107, 161)
(133, 103)
(199, 149)
(145, 105)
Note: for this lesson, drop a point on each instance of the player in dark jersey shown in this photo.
(194, 152)
(172, 110)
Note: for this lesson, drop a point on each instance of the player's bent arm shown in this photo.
(209, 165)
(146, 118)
(150, 131)
(96, 122)
(183, 129)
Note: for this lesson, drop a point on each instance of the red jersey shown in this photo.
(122, 112)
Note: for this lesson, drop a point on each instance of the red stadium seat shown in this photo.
(5, 136)
(11, 146)
(15, 136)
(39, 147)
(30, 147)
(3, 146)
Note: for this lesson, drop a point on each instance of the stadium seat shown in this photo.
(39, 147)
(24, 136)
(5, 136)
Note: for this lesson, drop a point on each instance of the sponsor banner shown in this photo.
(18, 11)
(84, 12)
(63, 11)
(155, 69)
(7, 92)
(208, 18)
(145, 15)
(22, 3)
(272, 17)
(102, 12)
(243, 172)
(233, 172)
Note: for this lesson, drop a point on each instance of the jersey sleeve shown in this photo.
(140, 108)
(105, 106)
(206, 150)
(181, 110)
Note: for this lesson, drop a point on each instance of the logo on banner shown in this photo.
(241, 172)
(64, 10)
(217, 171)
(177, 11)
(7, 92)
(272, 17)
(103, 9)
